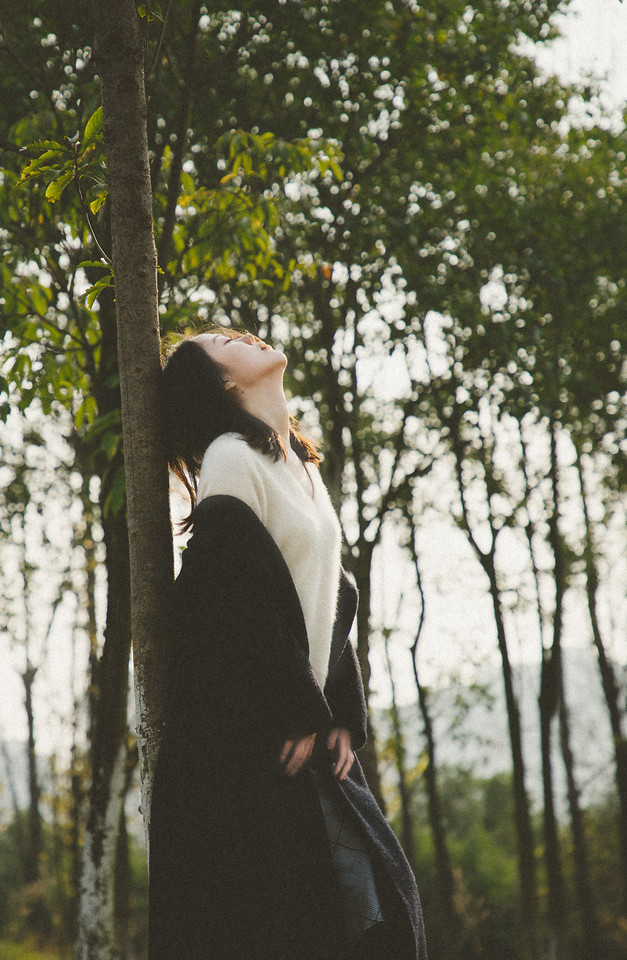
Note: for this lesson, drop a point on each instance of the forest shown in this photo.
(432, 229)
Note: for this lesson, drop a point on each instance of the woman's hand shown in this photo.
(296, 753)
(340, 740)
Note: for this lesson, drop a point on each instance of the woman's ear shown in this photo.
(229, 384)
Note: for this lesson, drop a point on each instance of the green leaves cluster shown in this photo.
(78, 161)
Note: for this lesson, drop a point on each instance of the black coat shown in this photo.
(239, 860)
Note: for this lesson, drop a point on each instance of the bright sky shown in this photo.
(595, 42)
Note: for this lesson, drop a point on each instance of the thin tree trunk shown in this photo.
(39, 919)
(548, 703)
(34, 843)
(449, 936)
(524, 832)
(336, 421)
(407, 817)
(119, 52)
(108, 739)
(583, 886)
(80, 765)
(123, 880)
(368, 754)
(585, 895)
(611, 688)
(9, 780)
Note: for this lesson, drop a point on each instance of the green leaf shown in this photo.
(56, 187)
(94, 125)
(96, 204)
(90, 296)
(35, 166)
(94, 263)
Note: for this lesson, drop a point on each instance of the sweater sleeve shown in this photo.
(345, 695)
(230, 468)
(344, 689)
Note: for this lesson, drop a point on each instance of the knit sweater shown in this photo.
(305, 528)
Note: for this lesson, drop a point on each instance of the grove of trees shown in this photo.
(398, 197)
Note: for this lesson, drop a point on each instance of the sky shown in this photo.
(594, 43)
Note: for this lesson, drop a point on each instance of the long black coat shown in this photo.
(239, 860)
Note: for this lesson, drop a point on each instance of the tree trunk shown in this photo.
(368, 754)
(407, 817)
(548, 703)
(583, 886)
(123, 879)
(611, 688)
(551, 692)
(119, 52)
(39, 919)
(34, 841)
(524, 831)
(361, 569)
(448, 944)
(108, 740)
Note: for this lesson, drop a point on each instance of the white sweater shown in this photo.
(305, 528)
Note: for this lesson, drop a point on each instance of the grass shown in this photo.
(20, 951)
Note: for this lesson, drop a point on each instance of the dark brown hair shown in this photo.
(197, 408)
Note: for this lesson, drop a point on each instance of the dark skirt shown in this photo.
(351, 861)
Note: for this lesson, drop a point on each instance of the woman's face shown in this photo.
(245, 360)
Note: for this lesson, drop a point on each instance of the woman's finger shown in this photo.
(288, 746)
(346, 766)
(296, 753)
(345, 757)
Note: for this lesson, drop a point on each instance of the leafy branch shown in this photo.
(78, 161)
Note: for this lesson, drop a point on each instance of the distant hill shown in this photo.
(475, 736)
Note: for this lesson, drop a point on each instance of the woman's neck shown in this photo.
(267, 402)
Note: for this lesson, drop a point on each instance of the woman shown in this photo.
(265, 840)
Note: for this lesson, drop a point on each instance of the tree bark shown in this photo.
(524, 831)
(449, 943)
(407, 817)
(548, 703)
(583, 886)
(108, 741)
(34, 843)
(362, 550)
(611, 687)
(368, 754)
(119, 52)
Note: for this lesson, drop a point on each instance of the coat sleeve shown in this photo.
(243, 682)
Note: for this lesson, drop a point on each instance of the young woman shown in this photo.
(266, 843)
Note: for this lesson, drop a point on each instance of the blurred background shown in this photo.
(422, 205)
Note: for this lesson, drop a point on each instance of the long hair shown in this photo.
(197, 408)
